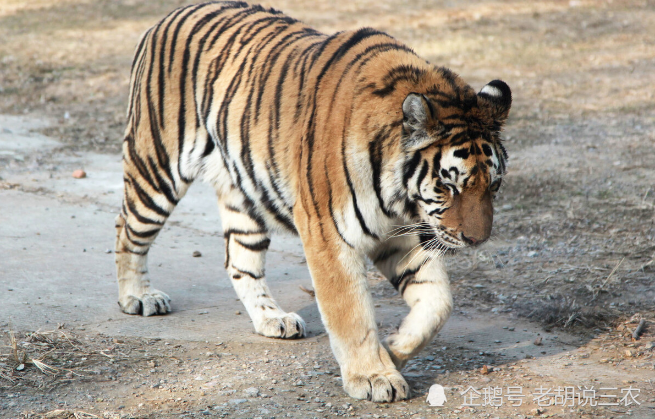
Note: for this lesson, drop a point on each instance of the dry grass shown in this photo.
(62, 414)
(43, 359)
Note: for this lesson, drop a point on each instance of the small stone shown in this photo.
(252, 392)
(237, 312)
(21, 367)
(79, 174)
(237, 401)
(299, 383)
(538, 341)
(486, 369)
(196, 254)
(274, 381)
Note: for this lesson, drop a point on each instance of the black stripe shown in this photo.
(132, 158)
(353, 193)
(162, 185)
(376, 158)
(409, 167)
(227, 233)
(437, 211)
(158, 114)
(133, 211)
(209, 147)
(250, 274)
(331, 209)
(436, 164)
(163, 160)
(425, 238)
(396, 74)
(255, 247)
(461, 153)
(143, 234)
(145, 198)
(421, 175)
(129, 232)
(136, 252)
(365, 56)
(459, 138)
(396, 280)
(273, 209)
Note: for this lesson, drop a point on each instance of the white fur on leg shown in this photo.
(267, 317)
(245, 245)
(429, 296)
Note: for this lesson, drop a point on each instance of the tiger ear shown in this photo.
(418, 114)
(496, 99)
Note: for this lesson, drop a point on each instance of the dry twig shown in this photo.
(612, 273)
(308, 291)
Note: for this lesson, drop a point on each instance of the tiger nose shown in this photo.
(471, 241)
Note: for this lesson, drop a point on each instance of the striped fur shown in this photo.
(351, 141)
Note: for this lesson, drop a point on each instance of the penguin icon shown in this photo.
(436, 396)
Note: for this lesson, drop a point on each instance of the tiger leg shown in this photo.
(339, 277)
(424, 285)
(145, 209)
(246, 243)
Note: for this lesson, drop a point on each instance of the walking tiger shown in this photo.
(350, 140)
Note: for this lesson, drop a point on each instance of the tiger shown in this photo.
(367, 152)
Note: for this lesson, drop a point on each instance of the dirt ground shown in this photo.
(572, 258)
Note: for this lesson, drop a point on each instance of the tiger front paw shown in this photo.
(285, 326)
(148, 304)
(382, 387)
(402, 347)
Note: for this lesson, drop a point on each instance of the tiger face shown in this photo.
(458, 163)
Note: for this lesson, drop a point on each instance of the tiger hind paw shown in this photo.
(148, 304)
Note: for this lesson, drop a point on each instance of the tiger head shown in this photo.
(455, 163)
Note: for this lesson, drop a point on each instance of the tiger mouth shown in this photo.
(441, 242)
